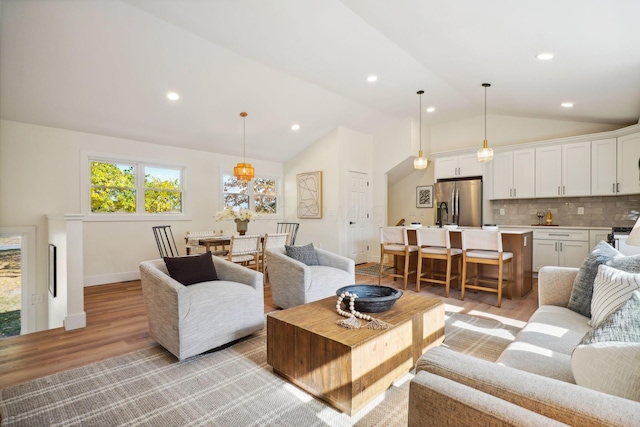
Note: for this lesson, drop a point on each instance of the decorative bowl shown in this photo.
(371, 298)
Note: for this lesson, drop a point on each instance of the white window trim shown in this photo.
(85, 188)
(279, 195)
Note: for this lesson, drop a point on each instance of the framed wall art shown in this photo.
(309, 195)
(424, 196)
(53, 270)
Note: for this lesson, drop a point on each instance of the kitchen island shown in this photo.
(517, 241)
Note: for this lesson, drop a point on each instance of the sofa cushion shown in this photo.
(611, 289)
(622, 325)
(582, 291)
(609, 367)
(305, 254)
(191, 269)
(630, 263)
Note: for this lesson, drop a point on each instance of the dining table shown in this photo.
(208, 242)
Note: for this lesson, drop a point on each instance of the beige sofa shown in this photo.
(531, 383)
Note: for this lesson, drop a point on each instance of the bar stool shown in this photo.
(395, 241)
(485, 247)
(435, 243)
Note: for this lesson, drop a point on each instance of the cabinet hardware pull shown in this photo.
(560, 246)
(558, 190)
(563, 190)
(556, 249)
(514, 192)
(617, 187)
(559, 234)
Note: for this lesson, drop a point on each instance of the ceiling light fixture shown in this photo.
(244, 171)
(295, 127)
(567, 104)
(173, 96)
(372, 79)
(545, 56)
(431, 109)
(485, 154)
(420, 162)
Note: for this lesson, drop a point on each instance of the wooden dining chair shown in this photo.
(485, 247)
(273, 240)
(395, 241)
(435, 244)
(288, 227)
(244, 250)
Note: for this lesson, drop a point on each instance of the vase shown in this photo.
(241, 226)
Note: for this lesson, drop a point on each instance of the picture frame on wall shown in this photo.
(424, 196)
(309, 185)
(53, 270)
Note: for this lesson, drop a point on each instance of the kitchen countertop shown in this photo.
(552, 227)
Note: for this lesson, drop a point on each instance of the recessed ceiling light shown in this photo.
(431, 109)
(372, 78)
(295, 127)
(173, 96)
(545, 56)
(567, 104)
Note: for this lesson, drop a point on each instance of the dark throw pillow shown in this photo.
(191, 269)
(582, 291)
(305, 254)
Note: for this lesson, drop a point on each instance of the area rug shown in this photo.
(230, 387)
(373, 270)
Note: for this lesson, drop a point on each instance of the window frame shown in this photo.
(139, 163)
(278, 195)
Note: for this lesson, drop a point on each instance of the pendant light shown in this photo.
(420, 162)
(244, 171)
(485, 154)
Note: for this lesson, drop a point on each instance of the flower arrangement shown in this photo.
(241, 214)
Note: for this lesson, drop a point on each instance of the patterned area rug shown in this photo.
(229, 387)
(373, 270)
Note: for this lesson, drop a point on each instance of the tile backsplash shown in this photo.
(606, 211)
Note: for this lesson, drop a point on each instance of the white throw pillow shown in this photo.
(609, 367)
(611, 289)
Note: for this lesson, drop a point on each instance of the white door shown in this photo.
(571, 253)
(603, 167)
(358, 217)
(576, 169)
(502, 175)
(548, 171)
(524, 173)
(446, 167)
(468, 165)
(544, 253)
(629, 164)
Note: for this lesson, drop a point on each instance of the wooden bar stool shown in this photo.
(434, 244)
(395, 241)
(485, 247)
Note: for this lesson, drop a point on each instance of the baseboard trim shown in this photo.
(75, 321)
(111, 278)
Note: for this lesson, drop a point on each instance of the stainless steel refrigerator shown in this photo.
(459, 201)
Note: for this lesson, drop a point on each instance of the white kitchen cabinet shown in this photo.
(563, 170)
(514, 174)
(457, 166)
(560, 247)
(628, 171)
(596, 235)
(603, 167)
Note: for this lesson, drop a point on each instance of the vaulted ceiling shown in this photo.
(105, 66)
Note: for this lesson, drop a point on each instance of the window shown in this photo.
(130, 189)
(259, 195)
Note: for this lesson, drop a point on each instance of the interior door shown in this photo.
(358, 218)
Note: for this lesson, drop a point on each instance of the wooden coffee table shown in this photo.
(350, 367)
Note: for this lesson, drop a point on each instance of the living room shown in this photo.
(85, 78)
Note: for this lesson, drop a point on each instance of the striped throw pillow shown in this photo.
(611, 289)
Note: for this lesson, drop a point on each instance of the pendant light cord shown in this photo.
(485, 113)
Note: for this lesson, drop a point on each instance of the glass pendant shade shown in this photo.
(420, 162)
(485, 154)
(243, 171)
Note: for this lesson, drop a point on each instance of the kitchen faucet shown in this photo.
(439, 219)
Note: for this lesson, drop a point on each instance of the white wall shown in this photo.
(338, 152)
(40, 174)
(505, 130)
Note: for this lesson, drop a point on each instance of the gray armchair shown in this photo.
(294, 283)
(189, 320)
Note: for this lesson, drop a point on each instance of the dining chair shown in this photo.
(164, 240)
(273, 240)
(435, 244)
(395, 241)
(485, 247)
(288, 227)
(244, 250)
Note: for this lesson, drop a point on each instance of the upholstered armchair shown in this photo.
(294, 283)
(189, 320)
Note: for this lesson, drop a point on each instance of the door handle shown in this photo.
(351, 222)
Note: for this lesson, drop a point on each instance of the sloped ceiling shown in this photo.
(105, 66)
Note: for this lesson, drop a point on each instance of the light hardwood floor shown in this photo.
(117, 324)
